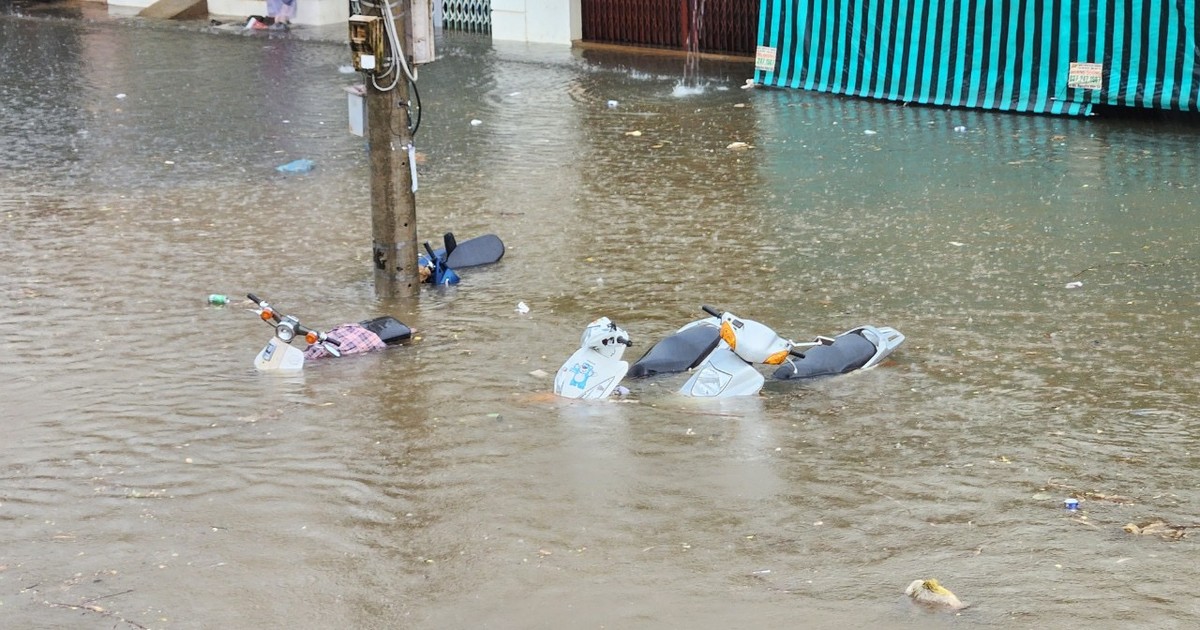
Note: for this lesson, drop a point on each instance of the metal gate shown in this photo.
(728, 27)
(470, 16)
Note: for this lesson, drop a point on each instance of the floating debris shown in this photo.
(931, 593)
(739, 146)
(296, 166)
(1157, 527)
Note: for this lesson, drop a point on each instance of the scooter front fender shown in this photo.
(723, 374)
(589, 375)
(278, 356)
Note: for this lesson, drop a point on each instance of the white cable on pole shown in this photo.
(391, 24)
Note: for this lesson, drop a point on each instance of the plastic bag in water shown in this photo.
(296, 166)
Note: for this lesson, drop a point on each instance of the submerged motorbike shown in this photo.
(596, 368)
(280, 355)
(438, 266)
(723, 350)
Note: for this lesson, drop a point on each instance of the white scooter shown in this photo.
(722, 352)
(596, 368)
(279, 355)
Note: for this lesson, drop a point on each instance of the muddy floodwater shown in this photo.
(1044, 271)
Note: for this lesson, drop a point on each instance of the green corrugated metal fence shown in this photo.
(1047, 56)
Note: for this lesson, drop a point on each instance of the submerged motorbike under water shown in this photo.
(596, 368)
(438, 266)
(280, 355)
(722, 351)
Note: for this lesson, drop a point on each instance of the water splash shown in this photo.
(682, 90)
(690, 84)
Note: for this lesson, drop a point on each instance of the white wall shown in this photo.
(309, 12)
(541, 21)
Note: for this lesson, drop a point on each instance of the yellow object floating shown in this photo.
(932, 593)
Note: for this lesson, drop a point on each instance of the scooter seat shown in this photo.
(846, 353)
(680, 352)
(389, 329)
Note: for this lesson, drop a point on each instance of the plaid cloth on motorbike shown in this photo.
(352, 339)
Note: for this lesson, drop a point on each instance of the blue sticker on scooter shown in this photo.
(582, 373)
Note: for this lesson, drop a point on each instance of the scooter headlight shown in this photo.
(286, 329)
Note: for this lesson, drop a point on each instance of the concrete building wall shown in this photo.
(310, 12)
(537, 21)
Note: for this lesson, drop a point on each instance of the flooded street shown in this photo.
(149, 477)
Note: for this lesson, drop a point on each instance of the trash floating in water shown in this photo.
(1071, 504)
(635, 133)
(522, 308)
(956, 243)
(960, 128)
(870, 132)
(121, 95)
(475, 122)
(1074, 285)
(612, 104)
(296, 166)
(748, 85)
(739, 146)
(216, 299)
(1159, 528)
(931, 593)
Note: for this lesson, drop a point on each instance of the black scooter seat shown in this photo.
(680, 352)
(846, 353)
(389, 329)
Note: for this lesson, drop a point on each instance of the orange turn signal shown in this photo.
(777, 358)
(311, 337)
(727, 335)
(267, 315)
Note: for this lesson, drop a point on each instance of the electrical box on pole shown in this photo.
(420, 31)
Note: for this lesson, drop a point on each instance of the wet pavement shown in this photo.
(1043, 270)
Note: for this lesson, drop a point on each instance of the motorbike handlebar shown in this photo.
(254, 298)
(303, 331)
(711, 311)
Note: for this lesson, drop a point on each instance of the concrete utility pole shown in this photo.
(393, 201)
